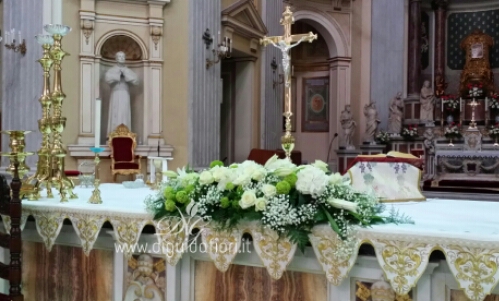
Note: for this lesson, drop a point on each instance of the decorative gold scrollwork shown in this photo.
(403, 262)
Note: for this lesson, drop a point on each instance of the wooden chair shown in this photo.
(10, 205)
(122, 144)
(261, 156)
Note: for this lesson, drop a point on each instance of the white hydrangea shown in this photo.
(312, 181)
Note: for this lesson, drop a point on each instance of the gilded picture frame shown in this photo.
(315, 104)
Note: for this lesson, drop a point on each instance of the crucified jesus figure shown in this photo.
(287, 41)
(286, 58)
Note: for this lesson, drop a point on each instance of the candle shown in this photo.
(98, 103)
(7, 38)
(20, 38)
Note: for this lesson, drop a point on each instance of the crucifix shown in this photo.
(473, 105)
(285, 43)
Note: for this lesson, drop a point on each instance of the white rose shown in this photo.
(342, 204)
(243, 178)
(260, 204)
(206, 178)
(259, 174)
(248, 199)
(268, 190)
(311, 180)
(336, 179)
(321, 165)
(218, 173)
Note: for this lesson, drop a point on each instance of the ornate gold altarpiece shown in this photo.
(477, 66)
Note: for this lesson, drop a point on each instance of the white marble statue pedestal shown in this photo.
(152, 167)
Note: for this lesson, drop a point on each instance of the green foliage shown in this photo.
(299, 237)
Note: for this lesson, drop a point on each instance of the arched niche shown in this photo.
(135, 60)
(338, 64)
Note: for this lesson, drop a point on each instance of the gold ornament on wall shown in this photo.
(156, 33)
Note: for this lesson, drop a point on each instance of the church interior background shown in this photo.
(399, 96)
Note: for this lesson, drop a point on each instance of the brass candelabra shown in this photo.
(96, 197)
(17, 155)
(52, 153)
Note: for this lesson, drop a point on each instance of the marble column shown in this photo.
(205, 91)
(414, 51)
(440, 7)
(272, 108)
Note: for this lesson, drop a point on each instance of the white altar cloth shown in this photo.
(466, 231)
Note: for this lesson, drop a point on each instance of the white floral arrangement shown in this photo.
(475, 90)
(286, 198)
(452, 131)
(410, 132)
(494, 131)
(382, 137)
(452, 105)
(494, 103)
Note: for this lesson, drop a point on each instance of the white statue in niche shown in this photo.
(427, 100)
(395, 114)
(348, 125)
(372, 122)
(119, 78)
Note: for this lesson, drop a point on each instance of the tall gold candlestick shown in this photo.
(285, 43)
(42, 176)
(57, 122)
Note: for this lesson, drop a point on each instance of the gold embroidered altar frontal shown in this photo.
(391, 181)
(471, 246)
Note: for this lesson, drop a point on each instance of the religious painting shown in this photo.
(315, 105)
(458, 295)
(146, 275)
(293, 106)
(477, 51)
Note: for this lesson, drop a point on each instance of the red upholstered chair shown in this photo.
(261, 156)
(122, 145)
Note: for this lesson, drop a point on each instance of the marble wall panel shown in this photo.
(22, 75)
(387, 54)
(245, 283)
(205, 90)
(66, 273)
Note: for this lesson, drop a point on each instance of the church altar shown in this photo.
(402, 251)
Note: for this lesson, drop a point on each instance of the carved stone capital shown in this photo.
(87, 26)
(156, 33)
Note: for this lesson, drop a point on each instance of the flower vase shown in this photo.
(495, 142)
(450, 119)
(450, 142)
